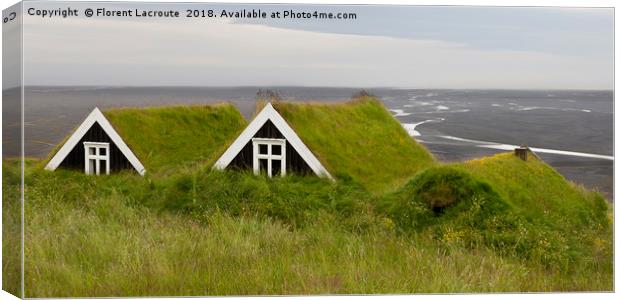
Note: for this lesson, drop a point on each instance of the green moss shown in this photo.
(358, 140)
(168, 138)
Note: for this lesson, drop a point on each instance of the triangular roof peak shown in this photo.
(269, 113)
(95, 116)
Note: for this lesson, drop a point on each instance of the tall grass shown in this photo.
(203, 232)
(105, 248)
(11, 227)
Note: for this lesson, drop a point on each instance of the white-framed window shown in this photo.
(269, 156)
(96, 158)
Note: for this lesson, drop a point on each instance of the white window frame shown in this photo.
(269, 113)
(97, 157)
(256, 142)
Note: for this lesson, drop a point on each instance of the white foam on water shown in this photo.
(410, 127)
(423, 103)
(496, 105)
(399, 112)
(442, 107)
(527, 108)
(444, 111)
(498, 146)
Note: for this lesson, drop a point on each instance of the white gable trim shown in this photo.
(94, 116)
(269, 113)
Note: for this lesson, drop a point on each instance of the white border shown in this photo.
(95, 116)
(269, 113)
(471, 3)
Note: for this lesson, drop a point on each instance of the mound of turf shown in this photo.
(358, 140)
(539, 192)
(568, 222)
(166, 138)
(444, 187)
(457, 207)
(518, 208)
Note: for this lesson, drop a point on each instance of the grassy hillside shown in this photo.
(519, 209)
(203, 232)
(359, 139)
(166, 138)
(11, 227)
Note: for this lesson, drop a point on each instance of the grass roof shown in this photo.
(166, 138)
(359, 139)
(536, 189)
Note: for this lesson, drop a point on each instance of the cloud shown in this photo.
(218, 53)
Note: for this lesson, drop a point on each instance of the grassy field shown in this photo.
(413, 225)
(231, 233)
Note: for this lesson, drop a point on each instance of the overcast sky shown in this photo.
(386, 46)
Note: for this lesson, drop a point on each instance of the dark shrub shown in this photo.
(444, 187)
(362, 94)
(459, 208)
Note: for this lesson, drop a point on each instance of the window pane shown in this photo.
(276, 164)
(102, 167)
(91, 166)
(262, 149)
(262, 165)
(276, 149)
(102, 151)
(92, 151)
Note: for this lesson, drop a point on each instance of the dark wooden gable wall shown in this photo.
(294, 162)
(75, 159)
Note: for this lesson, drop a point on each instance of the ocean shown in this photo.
(570, 130)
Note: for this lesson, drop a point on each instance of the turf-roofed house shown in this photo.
(152, 139)
(357, 140)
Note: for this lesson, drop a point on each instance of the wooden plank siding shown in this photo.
(75, 159)
(294, 163)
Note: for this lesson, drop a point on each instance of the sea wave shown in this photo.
(528, 108)
(399, 112)
(411, 127)
(444, 111)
